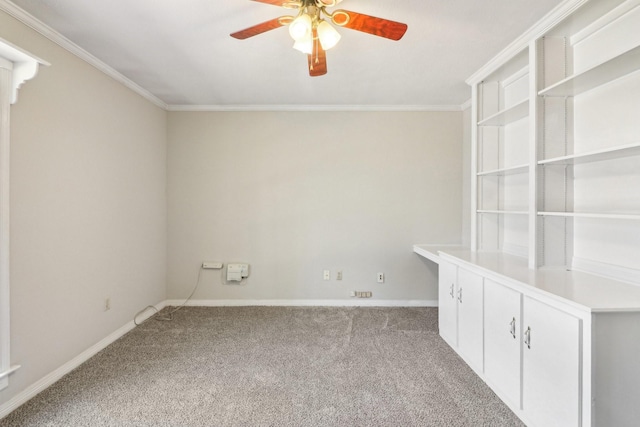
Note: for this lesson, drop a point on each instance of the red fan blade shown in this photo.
(274, 2)
(317, 61)
(369, 24)
(260, 28)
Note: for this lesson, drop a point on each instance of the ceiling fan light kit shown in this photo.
(313, 35)
(300, 28)
(327, 35)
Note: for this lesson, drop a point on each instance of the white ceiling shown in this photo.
(181, 52)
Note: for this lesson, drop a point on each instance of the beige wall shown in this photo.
(296, 193)
(88, 209)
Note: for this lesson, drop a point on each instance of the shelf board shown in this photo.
(512, 170)
(610, 70)
(501, 212)
(595, 156)
(592, 215)
(508, 115)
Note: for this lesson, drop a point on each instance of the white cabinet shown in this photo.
(533, 347)
(461, 311)
(470, 322)
(551, 366)
(560, 347)
(527, 348)
(502, 340)
(448, 306)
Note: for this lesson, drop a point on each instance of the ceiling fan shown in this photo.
(313, 35)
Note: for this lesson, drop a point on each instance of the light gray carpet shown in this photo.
(273, 366)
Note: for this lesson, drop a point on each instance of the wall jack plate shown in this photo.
(212, 265)
(361, 294)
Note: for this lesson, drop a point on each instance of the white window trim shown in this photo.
(16, 67)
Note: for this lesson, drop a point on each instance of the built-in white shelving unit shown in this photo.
(557, 140)
(501, 157)
(555, 222)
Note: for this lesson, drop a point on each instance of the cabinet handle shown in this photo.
(460, 295)
(527, 337)
(451, 293)
(513, 328)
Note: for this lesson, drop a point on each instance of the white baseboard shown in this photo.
(48, 380)
(616, 272)
(356, 302)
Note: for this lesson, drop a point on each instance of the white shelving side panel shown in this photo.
(508, 115)
(608, 71)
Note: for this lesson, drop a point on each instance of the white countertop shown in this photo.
(584, 291)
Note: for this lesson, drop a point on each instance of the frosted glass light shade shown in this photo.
(328, 35)
(304, 45)
(300, 28)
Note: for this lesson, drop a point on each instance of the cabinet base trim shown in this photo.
(517, 250)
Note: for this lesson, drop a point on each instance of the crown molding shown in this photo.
(465, 105)
(550, 20)
(51, 34)
(294, 108)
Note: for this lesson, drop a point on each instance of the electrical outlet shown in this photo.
(107, 304)
(326, 275)
(380, 277)
(339, 275)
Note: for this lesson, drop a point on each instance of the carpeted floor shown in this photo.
(273, 366)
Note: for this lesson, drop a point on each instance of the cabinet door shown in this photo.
(550, 366)
(502, 339)
(447, 308)
(470, 318)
